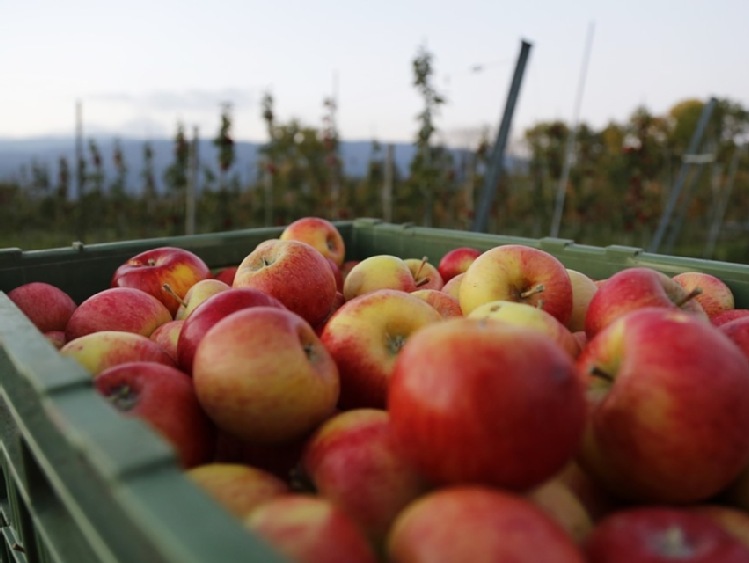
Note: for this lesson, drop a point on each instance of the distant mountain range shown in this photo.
(18, 155)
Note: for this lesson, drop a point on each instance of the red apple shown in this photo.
(319, 233)
(106, 348)
(452, 288)
(478, 524)
(309, 529)
(715, 296)
(236, 487)
(636, 288)
(47, 306)
(337, 274)
(351, 461)
(56, 338)
(737, 331)
(364, 337)
(662, 534)
(731, 519)
(167, 336)
(378, 272)
(465, 402)
(118, 308)
(212, 310)
(668, 398)
(164, 398)
(226, 274)
(446, 305)
(151, 270)
(294, 273)
(456, 261)
(263, 375)
(728, 316)
(515, 272)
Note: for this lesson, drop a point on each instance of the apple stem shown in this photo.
(689, 296)
(596, 371)
(421, 282)
(532, 291)
(421, 265)
(168, 288)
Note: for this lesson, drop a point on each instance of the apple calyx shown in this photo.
(151, 262)
(532, 291)
(673, 544)
(395, 343)
(168, 288)
(123, 397)
(689, 296)
(597, 371)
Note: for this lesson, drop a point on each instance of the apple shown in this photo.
(666, 391)
(351, 461)
(309, 529)
(319, 233)
(118, 308)
(281, 459)
(516, 272)
(47, 306)
(452, 287)
(583, 289)
(446, 305)
(212, 310)
(106, 348)
(715, 296)
(198, 293)
(473, 523)
(737, 331)
(151, 270)
(236, 487)
(337, 274)
(378, 272)
(661, 534)
(534, 318)
(294, 273)
(731, 519)
(347, 266)
(592, 495)
(728, 316)
(167, 336)
(466, 398)
(365, 336)
(456, 261)
(337, 304)
(557, 500)
(263, 375)
(635, 288)
(164, 398)
(426, 275)
(56, 338)
(226, 274)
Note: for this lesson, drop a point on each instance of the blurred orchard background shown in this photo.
(615, 182)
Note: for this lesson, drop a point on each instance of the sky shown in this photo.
(141, 66)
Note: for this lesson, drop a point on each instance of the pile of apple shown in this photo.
(494, 406)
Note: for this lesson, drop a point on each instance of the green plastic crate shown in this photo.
(80, 483)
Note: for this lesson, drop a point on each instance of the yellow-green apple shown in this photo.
(364, 337)
(164, 398)
(151, 270)
(737, 331)
(666, 391)
(47, 306)
(167, 336)
(583, 289)
(378, 272)
(662, 534)
(446, 305)
(452, 287)
(237, 487)
(477, 524)
(714, 295)
(463, 383)
(635, 288)
(731, 519)
(56, 338)
(309, 529)
(728, 316)
(263, 375)
(226, 274)
(557, 500)
(212, 310)
(528, 316)
(118, 308)
(516, 272)
(294, 273)
(456, 261)
(425, 274)
(350, 460)
(106, 348)
(198, 293)
(319, 233)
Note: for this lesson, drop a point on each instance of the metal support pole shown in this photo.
(497, 159)
(387, 184)
(673, 197)
(192, 185)
(722, 204)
